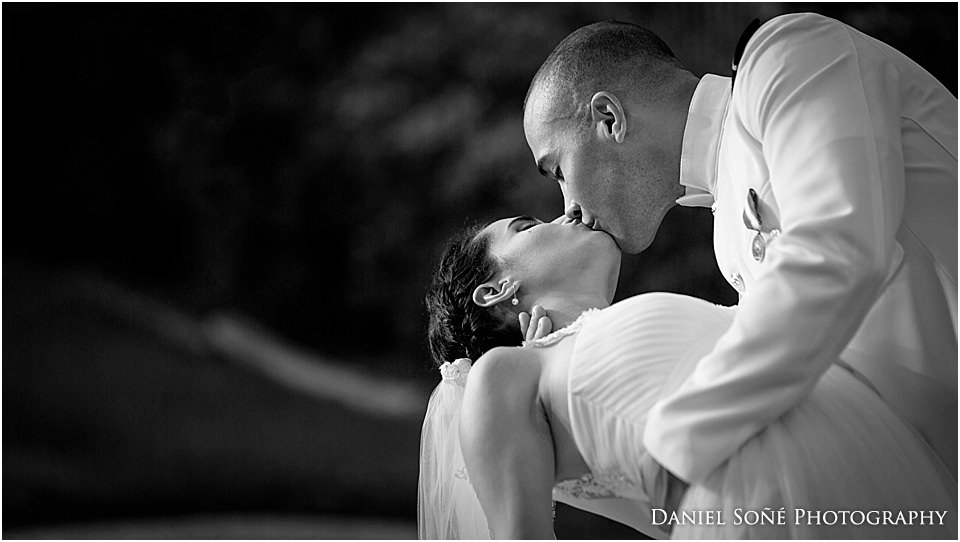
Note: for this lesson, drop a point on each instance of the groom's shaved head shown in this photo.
(622, 58)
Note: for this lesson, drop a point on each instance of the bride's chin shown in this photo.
(610, 242)
(607, 250)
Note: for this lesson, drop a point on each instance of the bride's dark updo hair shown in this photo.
(459, 327)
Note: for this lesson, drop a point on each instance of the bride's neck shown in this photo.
(563, 310)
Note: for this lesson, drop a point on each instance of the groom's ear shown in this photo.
(490, 293)
(608, 116)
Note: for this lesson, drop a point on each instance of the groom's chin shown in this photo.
(634, 244)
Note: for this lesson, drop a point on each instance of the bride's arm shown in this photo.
(507, 445)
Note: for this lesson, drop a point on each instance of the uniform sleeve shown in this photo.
(826, 115)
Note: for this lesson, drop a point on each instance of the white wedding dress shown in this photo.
(841, 449)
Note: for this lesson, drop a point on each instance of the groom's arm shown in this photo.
(830, 133)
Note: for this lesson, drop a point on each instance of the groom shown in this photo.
(829, 160)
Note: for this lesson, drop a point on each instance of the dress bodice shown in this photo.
(625, 358)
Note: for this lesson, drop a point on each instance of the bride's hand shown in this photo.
(536, 324)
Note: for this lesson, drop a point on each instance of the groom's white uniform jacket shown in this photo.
(851, 149)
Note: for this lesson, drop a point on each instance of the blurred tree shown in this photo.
(304, 163)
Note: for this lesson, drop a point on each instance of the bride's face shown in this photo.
(551, 253)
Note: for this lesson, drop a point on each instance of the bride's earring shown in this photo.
(514, 301)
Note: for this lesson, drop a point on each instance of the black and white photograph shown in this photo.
(454, 270)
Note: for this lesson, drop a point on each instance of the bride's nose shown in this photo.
(573, 211)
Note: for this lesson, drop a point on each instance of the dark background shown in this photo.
(220, 220)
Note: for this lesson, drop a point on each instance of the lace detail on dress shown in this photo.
(602, 485)
(566, 331)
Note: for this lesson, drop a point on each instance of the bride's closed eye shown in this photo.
(523, 223)
(529, 224)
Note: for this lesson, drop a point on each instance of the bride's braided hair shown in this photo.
(458, 327)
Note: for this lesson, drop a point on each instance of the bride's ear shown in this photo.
(608, 116)
(490, 293)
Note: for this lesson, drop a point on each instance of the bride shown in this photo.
(561, 418)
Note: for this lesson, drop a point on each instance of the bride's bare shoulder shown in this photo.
(507, 363)
(505, 374)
